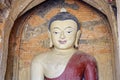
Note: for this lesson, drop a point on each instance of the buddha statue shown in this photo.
(64, 61)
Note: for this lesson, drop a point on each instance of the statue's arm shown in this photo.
(36, 70)
(91, 72)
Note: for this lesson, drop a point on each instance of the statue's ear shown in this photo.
(77, 38)
(51, 43)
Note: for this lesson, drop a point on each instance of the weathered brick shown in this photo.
(70, 1)
(95, 39)
(35, 20)
(51, 13)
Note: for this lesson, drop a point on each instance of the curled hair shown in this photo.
(64, 16)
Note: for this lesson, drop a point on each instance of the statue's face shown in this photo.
(63, 33)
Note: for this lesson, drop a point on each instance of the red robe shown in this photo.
(81, 66)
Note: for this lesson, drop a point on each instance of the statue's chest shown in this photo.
(55, 66)
(59, 67)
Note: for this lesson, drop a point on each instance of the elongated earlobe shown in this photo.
(77, 39)
(51, 43)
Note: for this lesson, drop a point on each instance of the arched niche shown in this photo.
(18, 30)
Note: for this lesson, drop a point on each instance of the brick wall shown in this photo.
(96, 38)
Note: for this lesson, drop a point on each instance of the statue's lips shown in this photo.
(62, 41)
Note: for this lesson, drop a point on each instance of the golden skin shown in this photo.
(63, 35)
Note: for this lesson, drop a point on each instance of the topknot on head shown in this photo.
(63, 10)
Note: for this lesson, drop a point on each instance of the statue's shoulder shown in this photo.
(40, 57)
(86, 56)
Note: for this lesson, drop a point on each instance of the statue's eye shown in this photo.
(69, 31)
(56, 32)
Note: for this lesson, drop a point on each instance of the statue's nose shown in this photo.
(62, 36)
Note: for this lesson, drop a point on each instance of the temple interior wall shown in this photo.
(29, 37)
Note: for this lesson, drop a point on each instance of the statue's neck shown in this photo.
(64, 51)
